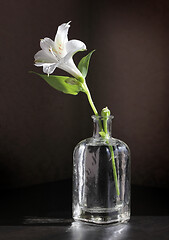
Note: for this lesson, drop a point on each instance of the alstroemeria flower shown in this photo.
(59, 53)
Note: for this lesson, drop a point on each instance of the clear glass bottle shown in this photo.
(95, 197)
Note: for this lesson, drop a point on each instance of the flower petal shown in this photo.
(44, 57)
(67, 63)
(61, 39)
(46, 44)
(72, 47)
(49, 68)
(62, 32)
(70, 67)
(75, 45)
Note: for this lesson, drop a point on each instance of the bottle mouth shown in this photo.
(96, 118)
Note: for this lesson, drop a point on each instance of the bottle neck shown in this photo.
(99, 125)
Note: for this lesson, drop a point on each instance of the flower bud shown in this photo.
(105, 112)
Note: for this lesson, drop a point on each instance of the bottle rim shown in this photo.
(94, 117)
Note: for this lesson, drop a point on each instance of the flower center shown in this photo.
(54, 53)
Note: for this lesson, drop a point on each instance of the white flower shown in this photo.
(59, 53)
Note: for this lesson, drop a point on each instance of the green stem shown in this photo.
(86, 90)
(85, 87)
(112, 157)
(105, 125)
(114, 169)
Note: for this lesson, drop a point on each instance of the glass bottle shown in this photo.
(97, 196)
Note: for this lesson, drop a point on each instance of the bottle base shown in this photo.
(103, 216)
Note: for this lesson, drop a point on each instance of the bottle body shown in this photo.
(95, 197)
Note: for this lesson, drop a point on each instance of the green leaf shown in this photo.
(102, 134)
(64, 84)
(84, 64)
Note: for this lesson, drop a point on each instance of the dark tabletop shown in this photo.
(139, 228)
(44, 212)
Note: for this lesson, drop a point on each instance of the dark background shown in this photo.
(129, 73)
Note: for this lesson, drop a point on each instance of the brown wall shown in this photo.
(129, 72)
